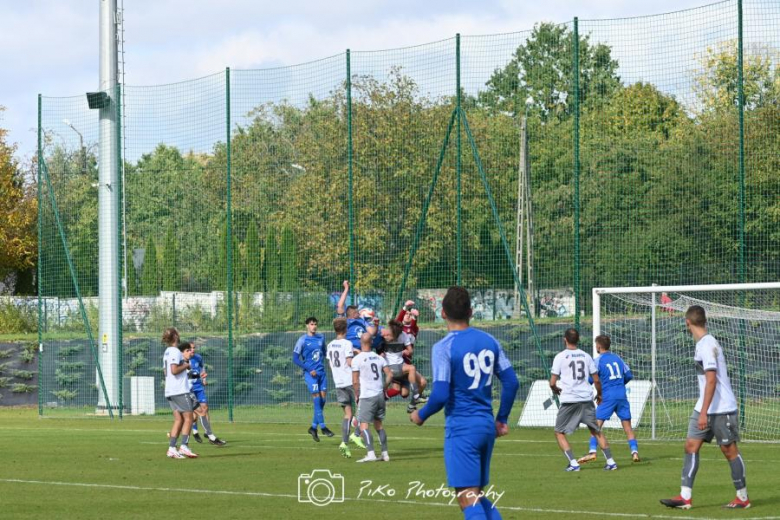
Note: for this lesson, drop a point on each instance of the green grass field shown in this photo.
(98, 468)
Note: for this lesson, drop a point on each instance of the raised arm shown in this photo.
(340, 308)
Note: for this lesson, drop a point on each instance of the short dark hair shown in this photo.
(311, 319)
(572, 336)
(696, 315)
(603, 341)
(457, 304)
(340, 325)
(351, 309)
(185, 345)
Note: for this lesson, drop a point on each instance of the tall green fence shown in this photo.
(249, 196)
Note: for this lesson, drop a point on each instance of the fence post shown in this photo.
(576, 94)
(120, 252)
(349, 174)
(741, 111)
(40, 262)
(229, 251)
(459, 237)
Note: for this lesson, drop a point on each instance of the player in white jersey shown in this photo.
(572, 368)
(714, 416)
(339, 353)
(370, 378)
(177, 392)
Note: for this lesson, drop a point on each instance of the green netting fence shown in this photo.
(528, 167)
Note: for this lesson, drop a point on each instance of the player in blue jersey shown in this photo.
(614, 374)
(197, 377)
(358, 323)
(464, 363)
(309, 353)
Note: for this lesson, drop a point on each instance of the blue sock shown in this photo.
(322, 412)
(475, 512)
(317, 412)
(594, 444)
(491, 513)
(633, 446)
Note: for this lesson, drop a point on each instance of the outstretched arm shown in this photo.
(340, 309)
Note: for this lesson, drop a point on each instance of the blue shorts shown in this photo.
(200, 395)
(316, 384)
(608, 407)
(467, 459)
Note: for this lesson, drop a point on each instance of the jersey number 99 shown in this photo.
(476, 364)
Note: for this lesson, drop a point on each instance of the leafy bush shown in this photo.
(4, 381)
(71, 366)
(280, 395)
(242, 387)
(280, 379)
(21, 388)
(23, 374)
(64, 395)
(5, 354)
(18, 320)
(69, 351)
(65, 379)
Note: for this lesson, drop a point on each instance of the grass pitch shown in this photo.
(98, 468)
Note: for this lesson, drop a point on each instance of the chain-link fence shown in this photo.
(547, 162)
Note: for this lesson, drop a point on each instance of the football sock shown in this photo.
(570, 455)
(738, 473)
(491, 512)
(345, 430)
(742, 494)
(594, 444)
(392, 392)
(633, 446)
(172, 442)
(474, 512)
(607, 454)
(382, 439)
(206, 425)
(185, 439)
(686, 492)
(690, 467)
(317, 418)
(369, 440)
(194, 430)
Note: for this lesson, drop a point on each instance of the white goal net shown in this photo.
(647, 329)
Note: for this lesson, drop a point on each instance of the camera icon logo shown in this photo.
(320, 487)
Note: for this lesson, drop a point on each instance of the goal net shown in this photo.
(647, 329)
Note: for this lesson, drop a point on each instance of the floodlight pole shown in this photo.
(108, 209)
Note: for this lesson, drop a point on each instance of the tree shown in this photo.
(288, 257)
(542, 70)
(18, 241)
(171, 276)
(150, 275)
(132, 278)
(254, 260)
(273, 268)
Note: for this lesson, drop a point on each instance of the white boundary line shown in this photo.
(401, 501)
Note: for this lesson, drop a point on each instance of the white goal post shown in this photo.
(647, 328)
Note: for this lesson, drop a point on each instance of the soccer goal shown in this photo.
(647, 328)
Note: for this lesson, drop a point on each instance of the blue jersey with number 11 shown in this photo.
(613, 374)
(467, 360)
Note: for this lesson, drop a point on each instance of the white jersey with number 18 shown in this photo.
(338, 352)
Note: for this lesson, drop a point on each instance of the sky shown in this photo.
(51, 46)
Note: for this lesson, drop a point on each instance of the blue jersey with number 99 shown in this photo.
(468, 360)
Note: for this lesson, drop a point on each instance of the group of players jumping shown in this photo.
(370, 364)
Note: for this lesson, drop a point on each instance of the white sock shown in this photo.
(686, 492)
(212, 436)
(742, 494)
(610, 461)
